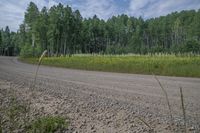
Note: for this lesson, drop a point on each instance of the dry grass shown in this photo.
(167, 99)
(38, 66)
(169, 106)
(183, 109)
(146, 123)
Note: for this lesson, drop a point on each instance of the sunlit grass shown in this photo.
(169, 65)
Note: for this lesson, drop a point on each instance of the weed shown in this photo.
(183, 109)
(167, 99)
(14, 112)
(11, 111)
(143, 121)
(48, 124)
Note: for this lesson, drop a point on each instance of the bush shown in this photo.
(28, 51)
(112, 49)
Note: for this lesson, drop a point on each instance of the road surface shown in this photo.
(110, 101)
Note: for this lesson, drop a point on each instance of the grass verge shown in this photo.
(167, 65)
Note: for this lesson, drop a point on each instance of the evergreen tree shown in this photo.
(1, 43)
(63, 31)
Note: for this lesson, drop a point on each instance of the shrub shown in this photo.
(112, 49)
(28, 51)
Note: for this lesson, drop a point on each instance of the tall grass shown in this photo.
(169, 106)
(38, 66)
(169, 65)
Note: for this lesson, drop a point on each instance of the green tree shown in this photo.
(62, 31)
(31, 17)
(42, 29)
(7, 41)
(1, 43)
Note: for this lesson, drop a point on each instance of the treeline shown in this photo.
(8, 40)
(62, 31)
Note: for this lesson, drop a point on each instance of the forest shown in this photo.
(63, 31)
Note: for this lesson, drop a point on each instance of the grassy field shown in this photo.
(169, 65)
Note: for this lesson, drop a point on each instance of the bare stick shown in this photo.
(183, 109)
(143, 121)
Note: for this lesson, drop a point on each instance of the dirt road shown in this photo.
(110, 102)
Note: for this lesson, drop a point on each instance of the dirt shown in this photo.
(105, 102)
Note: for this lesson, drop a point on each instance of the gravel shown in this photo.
(104, 102)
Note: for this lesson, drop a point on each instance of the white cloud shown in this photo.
(155, 8)
(12, 11)
(51, 3)
(138, 4)
(102, 8)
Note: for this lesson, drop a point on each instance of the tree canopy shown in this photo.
(63, 31)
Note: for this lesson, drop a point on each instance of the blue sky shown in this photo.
(12, 11)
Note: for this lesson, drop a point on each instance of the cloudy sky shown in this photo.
(12, 11)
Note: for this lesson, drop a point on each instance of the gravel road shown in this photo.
(110, 102)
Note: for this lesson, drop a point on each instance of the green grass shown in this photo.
(168, 65)
(48, 124)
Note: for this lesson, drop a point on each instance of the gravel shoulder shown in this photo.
(106, 102)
